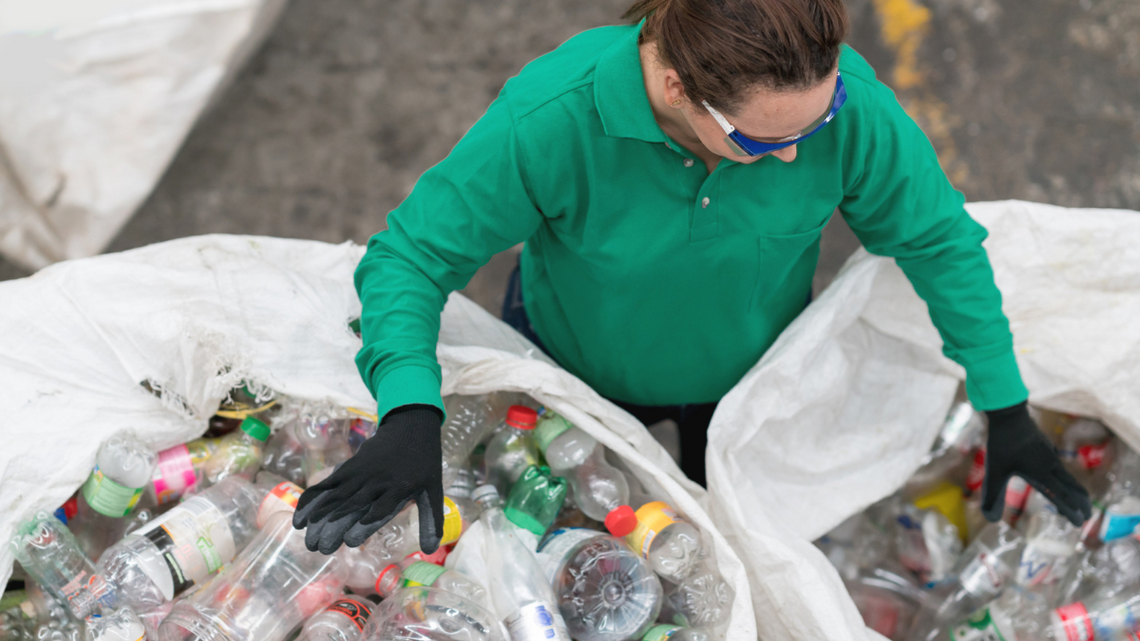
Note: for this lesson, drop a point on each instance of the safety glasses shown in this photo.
(745, 146)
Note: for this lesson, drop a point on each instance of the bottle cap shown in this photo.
(255, 428)
(621, 521)
(550, 427)
(484, 491)
(521, 417)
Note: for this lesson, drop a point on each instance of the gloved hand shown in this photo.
(400, 463)
(1016, 447)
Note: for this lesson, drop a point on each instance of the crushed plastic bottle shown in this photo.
(470, 420)
(1050, 546)
(343, 620)
(269, 589)
(239, 454)
(413, 573)
(597, 487)
(700, 600)
(660, 535)
(512, 449)
(535, 500)
(1122, 503)
(120, 625)
(605, 591)
(50, 554)
(423, 614)
(123, 469)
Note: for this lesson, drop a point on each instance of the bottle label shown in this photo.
(1043, 563)
(452, 522)
(282, 498)
(979, 627)
(356, 611)
(194, 539)
(536, 622)
(173, 474)
(558, 544)
(983, 576)
(83, 591)
(1117, 524)
(420, 573)
(652, 519)
(1016, 496)
(1074, 620)
(977, 472)
(1092, 456)
(660, 632)
(108, 497)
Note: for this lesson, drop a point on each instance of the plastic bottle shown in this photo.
(123, 468)
(184, 546)
(285, 455)
(535, 500)
(660, 535)
(520, 592)
(178, 469)
(276, 495)
(50, 554)
(573, 454)
(401, 536)
(1106, 570)
(1050, 546)
(1016, 615)
(120, 625)
(927, 543)
(428, 614)
(239, 453)
(983, 570)
(469, 420)
(669, 632)
(700, 600)
(270, 588)
(887, 598)
(343, 620)
(412, 573)
(605, 591)
(512, 449)
(325, 439)
(1022, 616)
(1122, 503)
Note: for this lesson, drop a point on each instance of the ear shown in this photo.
(674, 90)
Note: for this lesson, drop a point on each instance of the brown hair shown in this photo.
(722, 48)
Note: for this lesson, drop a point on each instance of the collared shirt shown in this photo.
(651, 279)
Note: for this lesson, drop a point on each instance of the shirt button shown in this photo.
(705, 202)
(688, 162)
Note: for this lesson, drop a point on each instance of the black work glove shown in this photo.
(402, 462)
(1016, 447)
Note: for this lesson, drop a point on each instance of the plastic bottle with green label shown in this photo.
(123, 468)
(575, 455)
(535, 500)
(239, 453)
(412, 573)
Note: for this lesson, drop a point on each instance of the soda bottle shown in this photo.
(120, 625)
(429, 613)
(469, 420)
(512, 449)
(178, 470)
(412, 573)
(184, 546)
(519, 587)
(123, 468)
(343, 620)
(535, 500)
(1122, 503)
(285, 455)
(660, 535)
(669, 632)
(269, 589)
(575, 455)
(605, 591)
(49, 553)
(983, 570)
(239, 453)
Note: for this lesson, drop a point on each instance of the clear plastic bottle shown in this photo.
(571, 453)
(669, 632)
(184, 546)
(401, 536)
(412, 573)
(700, 600)
(178, 470)
(343, 620)
(1019, 615)
(120, 625)
(1050, 546)
(424, 614)
(269, 589)
(276, 495)
(469, 420)
(606, 592)
(1106, 570)
(520, 592)
(285, 455)
(50, 554)
(983, 570)
(1122, 503)
(660, 535)
(887, 597)
(324, 436)
(512, 449)
(239, 454)
(123, 468)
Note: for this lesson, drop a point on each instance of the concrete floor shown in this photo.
(351, 100)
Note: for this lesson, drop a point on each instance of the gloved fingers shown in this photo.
(365, 496)
(1066, 494)
(993, 495)
(326, 535)
(351, 495)
(310, 502)
(385, 508)
(430, 505)
(361, 532)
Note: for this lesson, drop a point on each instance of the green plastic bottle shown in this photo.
(535, 499)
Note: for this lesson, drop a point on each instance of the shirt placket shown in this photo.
(703, 223)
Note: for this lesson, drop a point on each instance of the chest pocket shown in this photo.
(787, 265)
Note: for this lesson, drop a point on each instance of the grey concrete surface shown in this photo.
(350, 100)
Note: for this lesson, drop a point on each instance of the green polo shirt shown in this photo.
(654, 281)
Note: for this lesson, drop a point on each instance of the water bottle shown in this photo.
(428, 613)
(512, 449)
(660, 535)
(469, 420)
(239, 453)
(123, 468)
(535, 500)
(605, 591)
(982, 572)
(401, 536)
(178, 470)
(120, 625)
(183, 547)
(269, 589)
(49, 553)
(343, 620)
(520, 592)
(1122, 503)
(412, 573)
(573, 454)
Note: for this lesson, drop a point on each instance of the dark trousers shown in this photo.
(692, 420)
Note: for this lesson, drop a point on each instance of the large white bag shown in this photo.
(843, 407)
(194, 317)
(96, 96)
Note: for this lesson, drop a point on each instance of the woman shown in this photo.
(670, 180)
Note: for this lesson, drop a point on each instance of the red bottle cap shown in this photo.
(621, 521)
(522, 417)
(71, 508)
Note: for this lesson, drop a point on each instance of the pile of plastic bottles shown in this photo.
(546, 536)
(924, 565)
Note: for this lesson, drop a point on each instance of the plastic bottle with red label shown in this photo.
(343, 620)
